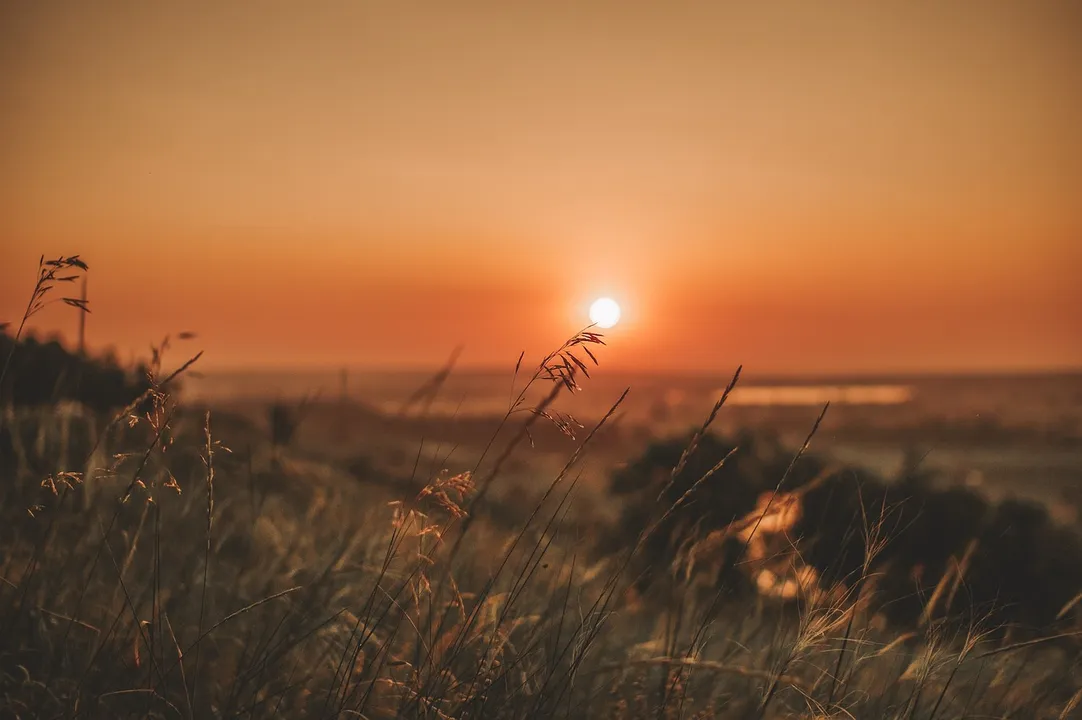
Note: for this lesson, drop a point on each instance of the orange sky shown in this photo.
(804, 187)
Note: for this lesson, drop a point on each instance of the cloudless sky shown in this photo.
(801, 187)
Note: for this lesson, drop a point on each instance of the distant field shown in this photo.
(1003, 435)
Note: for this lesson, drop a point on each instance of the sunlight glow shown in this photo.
(605, 313)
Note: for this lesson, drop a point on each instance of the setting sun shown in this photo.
(605, 313)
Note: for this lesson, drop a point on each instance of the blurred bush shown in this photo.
(1022, 567)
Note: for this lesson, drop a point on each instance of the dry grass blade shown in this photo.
(142, 692)
(73, 621)
(181, 370)
(1030, 643)
(1070, 605)
(785, 476)
(430, 388)
(1071, 705)
(708, 665)
(894, 644)
(47, 276)
(693, 445)
(233, 616)
(180, 661)
(208, 462)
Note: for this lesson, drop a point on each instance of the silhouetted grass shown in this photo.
(156, 573)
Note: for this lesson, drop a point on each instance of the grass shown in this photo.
(165, 575)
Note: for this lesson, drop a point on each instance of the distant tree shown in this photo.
(42, 373)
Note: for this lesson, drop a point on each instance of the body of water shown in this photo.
(1040, 404)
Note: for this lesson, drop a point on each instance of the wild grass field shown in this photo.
(161, 559)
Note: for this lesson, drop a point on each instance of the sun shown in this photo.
(605, 313)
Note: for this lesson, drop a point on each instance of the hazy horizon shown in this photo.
(747, 373)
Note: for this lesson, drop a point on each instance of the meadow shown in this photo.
(160, 558)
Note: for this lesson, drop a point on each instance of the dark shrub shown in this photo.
(728, 495)
(1023, 569)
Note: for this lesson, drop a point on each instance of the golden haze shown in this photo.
(838, 187)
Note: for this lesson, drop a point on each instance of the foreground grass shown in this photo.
(155, 573)
(251, 585)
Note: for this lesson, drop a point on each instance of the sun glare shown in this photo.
(605, 313)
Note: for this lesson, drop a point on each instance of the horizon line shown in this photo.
(704, 374)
